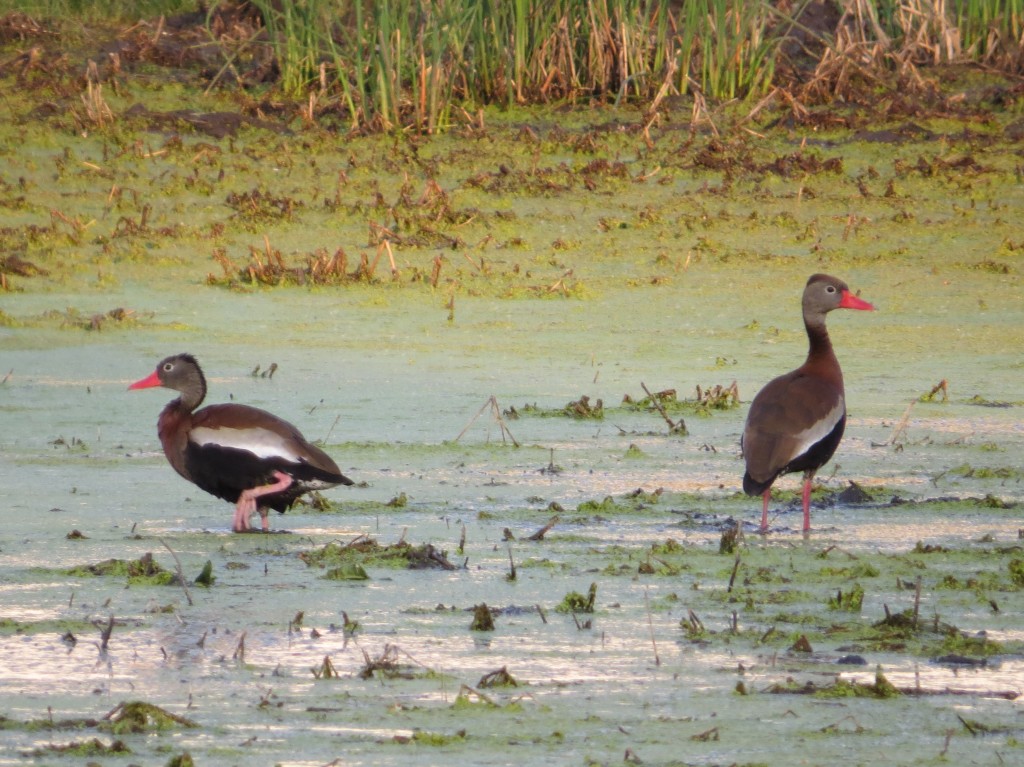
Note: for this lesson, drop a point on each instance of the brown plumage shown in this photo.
(239, 453)
(796, 421)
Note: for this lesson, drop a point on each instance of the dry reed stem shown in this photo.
(492, 402)
(181, 574)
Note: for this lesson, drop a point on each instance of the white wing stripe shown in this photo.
(260, 442)
(808, 438)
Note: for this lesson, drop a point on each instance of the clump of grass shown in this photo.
(350, 571)
(388, 665)
(1016, 569)
(83, 749)
(325, 670)
(574, 602)
(583, 408)
(693, 627)
(850, 601)
(881, 688)
(143, 571)
(499, 678)
(422, 738)
(716, 397)
(483, 619)
(139, 716)
(267, 267)
(729, 540)
(349, 559)
(74, 319)
(206, 577)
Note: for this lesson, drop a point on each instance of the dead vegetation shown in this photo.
(389, 665)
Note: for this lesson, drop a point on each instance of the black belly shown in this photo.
(816, 456)
(819, 453)
(225, 472)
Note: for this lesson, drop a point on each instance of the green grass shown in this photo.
(420, 65)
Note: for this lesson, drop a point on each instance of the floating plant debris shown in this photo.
(366, 552)
(142, 571)
(139, 716)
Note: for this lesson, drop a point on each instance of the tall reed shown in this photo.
(730, 47)
(989, 32)
(407, 64)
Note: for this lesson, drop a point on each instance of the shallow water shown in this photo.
(388, 382)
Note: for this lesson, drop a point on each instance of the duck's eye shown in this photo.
(168, 367)
(830, 288)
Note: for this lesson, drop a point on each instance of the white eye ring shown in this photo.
(830, 288)
(168, 367)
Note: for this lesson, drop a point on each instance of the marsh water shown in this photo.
(573, 261)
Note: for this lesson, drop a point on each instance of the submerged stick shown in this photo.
(967, 725)
(901, 426)
(941, 386)
(331, 429)
(105, 634)
(181, 574)
(491, 402)
(466, 690)
(917, 600)
(501, 422)
(391, 258)
(735, 570)
(650, 626)
(472, 420)
(539, 535)
(673, 427)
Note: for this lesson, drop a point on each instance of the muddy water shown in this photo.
(388, 380)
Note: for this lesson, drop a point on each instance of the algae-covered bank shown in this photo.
(537, 565)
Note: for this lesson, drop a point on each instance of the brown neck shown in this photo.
(820, 355)
(817, 335)
(172, 428)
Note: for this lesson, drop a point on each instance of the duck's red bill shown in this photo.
(849, 301)
(151, 380)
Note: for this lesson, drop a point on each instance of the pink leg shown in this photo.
(244, 507)
(247, 502)
(767, 495)
(807, 501)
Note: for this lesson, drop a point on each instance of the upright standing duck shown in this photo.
(796, 421)
(239, 453)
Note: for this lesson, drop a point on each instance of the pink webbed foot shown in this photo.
(243, 510)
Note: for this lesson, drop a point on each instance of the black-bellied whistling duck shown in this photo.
(239, 453)
(796, 421)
